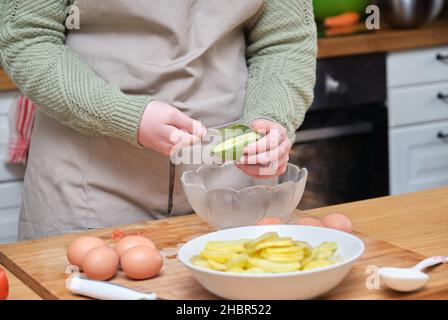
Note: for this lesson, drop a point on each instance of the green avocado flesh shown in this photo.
(232, 149)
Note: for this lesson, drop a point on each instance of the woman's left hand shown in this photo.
(267, 157)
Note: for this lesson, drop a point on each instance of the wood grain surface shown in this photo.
(18, 290)
(411, 220)
(414, 221)
(385, 40)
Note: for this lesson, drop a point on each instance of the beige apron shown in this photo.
(189, 53)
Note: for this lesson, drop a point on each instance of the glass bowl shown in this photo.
(225, 197)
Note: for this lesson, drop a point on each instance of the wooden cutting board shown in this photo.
(41, 265)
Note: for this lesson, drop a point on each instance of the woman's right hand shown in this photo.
(164, 127)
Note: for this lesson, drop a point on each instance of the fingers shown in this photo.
(274, 135)
(251, 170)
(182, 121)
(275, 168)
(165, 148)
(269, 156)
(178, 136)
(171, 138)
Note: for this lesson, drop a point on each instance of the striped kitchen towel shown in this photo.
(21, 120)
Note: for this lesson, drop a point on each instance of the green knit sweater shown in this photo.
(281, 57)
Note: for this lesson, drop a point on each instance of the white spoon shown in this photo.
(409, 279)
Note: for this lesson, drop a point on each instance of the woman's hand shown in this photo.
(164, 127)
(267, 157)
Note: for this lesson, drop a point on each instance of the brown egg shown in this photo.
(269, 220)
(141, 262)
(80, 246)
(100, 263)
(129, 242)
(310, 222)
(338, 221)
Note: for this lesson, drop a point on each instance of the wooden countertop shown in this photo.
(18, 290)
(416, 221)
(397, 231)
(387, 39)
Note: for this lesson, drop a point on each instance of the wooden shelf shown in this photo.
(385, 40)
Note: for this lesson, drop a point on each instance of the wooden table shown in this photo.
(397, 231)
(415, 221)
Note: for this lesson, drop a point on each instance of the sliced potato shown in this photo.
(220, 257)
(238, 261)
(250, 245)
(217, 266)
(236, 246)
(284, 250)
(282, 257)
(268, 253)
(198, 261)
(307, 249)
(255, 270)
(279, 242)
(317, 264)
(275, 267)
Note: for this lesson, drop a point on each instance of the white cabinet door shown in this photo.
(417, 66)
(418, 157)
(418, 104)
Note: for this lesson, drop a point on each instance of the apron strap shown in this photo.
(171, 189)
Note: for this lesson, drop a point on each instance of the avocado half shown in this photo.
(233, 148)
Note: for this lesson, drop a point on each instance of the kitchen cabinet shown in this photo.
(11, 176)
(417, 67)
(419, 157)
(418, 104)
(418, 119)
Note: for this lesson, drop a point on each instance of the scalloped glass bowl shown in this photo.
(225, 197)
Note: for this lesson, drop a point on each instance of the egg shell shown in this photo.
(307, 221)
(128, 242)
(80, 246)
(269, 220)
(141, 262)
(338, 221)
(100, 263)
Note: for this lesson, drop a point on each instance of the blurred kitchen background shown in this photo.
(379, 122)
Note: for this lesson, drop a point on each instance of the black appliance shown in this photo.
(343, 141)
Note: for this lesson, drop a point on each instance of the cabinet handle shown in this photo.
(443, 97)
(442, 135)
(442, 57)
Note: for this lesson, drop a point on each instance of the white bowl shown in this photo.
(293, 285)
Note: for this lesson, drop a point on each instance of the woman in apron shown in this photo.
(135, 73)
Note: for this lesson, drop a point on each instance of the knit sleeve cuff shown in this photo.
(127, 115)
